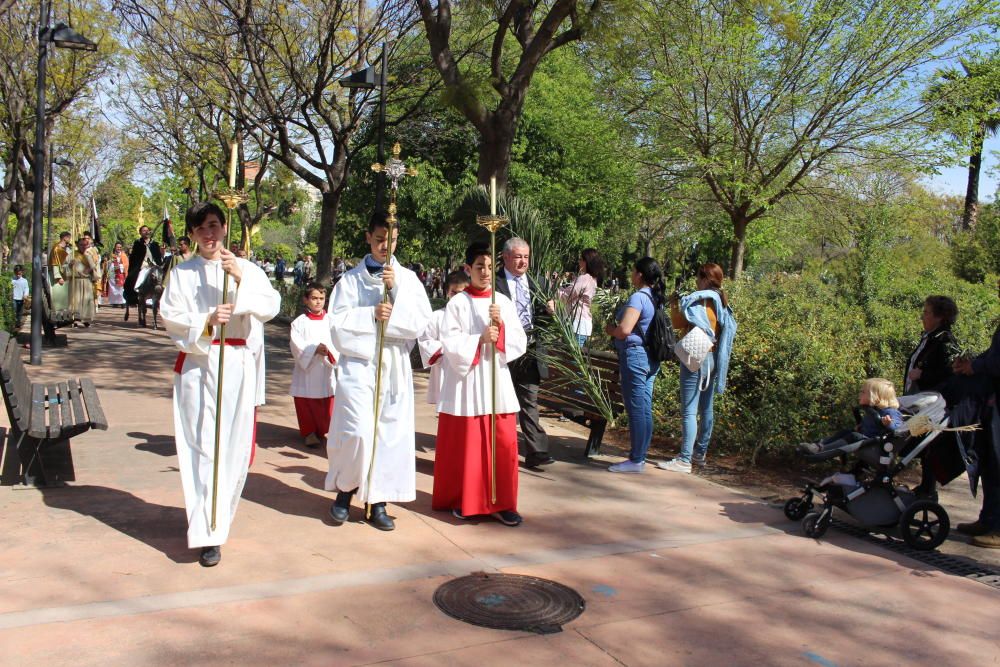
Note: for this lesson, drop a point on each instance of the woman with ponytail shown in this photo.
(708, 309)
(637, 367)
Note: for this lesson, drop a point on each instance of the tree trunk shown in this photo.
(21, 247)
(739, 246)
(327, 232)
(971, 211)
(495, 149)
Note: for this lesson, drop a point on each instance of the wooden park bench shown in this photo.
(43, 417)
(559, 392)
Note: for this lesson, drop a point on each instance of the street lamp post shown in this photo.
(62, 36)
(365, 80)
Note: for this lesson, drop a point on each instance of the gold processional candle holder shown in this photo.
(493, 222)
(232, 198)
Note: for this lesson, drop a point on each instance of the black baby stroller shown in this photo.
(866, 488)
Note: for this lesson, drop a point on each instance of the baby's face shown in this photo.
(863, 397)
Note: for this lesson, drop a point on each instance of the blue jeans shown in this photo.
(581, 339)
(695, 404)
(637, 375)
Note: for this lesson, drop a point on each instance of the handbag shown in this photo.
(692, 349)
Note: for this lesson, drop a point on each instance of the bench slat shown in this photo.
(79, 414)
(37, 427)
(94, 411)
(66, 420)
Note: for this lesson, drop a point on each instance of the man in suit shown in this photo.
(145, 253)
(526, 371)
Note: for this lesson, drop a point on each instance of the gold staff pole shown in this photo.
(231, 198)
(395, 169)
(493, 222)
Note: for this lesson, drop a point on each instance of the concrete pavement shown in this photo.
(675, 570)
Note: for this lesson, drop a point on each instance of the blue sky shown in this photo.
(952, 180)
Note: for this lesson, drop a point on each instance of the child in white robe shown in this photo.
(466, 467)
(429, 342)
(314, 379)
(193, 313)
(384, 469)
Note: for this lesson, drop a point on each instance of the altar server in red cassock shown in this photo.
(471, 326)
(314, 380)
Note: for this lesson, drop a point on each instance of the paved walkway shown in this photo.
(675, 570)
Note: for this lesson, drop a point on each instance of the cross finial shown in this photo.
(394, 168)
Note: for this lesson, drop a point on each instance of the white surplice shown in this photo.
(467, 385)
(255, 341)
(193, 293)
(431, 354)
(314, 375)
(349, 442)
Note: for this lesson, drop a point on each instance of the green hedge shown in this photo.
(6, 303)
(806, 342)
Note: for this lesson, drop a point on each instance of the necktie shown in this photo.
(523, 303)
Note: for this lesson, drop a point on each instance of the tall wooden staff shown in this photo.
(493, 222)
(231, 198)
(395, 169)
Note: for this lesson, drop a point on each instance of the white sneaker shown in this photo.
(674, 465)
(627, 466)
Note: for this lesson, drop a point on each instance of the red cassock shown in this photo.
(462, 464)
(314, 415)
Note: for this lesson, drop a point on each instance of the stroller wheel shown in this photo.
(816, 523)
(924, 525)
(796, 508)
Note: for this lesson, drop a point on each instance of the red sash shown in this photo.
(179, 364)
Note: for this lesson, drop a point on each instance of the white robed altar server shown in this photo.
(191, 311)
(314, 377)
(354, 307)
(465, 455)
(431, 353)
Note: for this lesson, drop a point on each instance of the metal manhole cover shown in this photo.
(509, 602)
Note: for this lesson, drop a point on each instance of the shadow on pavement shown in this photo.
(162, 445)
(161, 527)
(270, 492)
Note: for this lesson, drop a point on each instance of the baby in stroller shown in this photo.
(872, 457)
(883, 418)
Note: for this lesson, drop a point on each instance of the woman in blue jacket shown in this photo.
(707, 309)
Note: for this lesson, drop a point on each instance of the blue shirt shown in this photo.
(641, 300)
(871, 423)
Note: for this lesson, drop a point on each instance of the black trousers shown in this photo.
(524, 373)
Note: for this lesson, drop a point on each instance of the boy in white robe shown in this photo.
(430, 341)
(193, 312)
(473, 331)
(356, 309)
(314, 379)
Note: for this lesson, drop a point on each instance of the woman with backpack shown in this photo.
(637, 365)
(706, 309)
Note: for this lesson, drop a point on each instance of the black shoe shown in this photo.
(974, 528)
(457, 513)
(508, 518)
(536, 460)
(379, 519)
(340, 510)
(210, 556)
